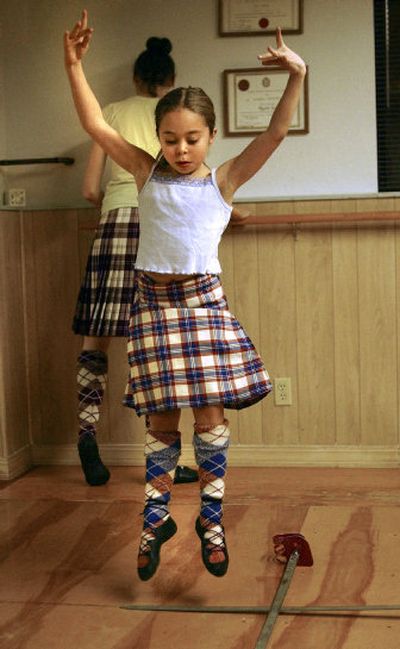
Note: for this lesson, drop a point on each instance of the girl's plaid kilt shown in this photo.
(106, 294)
(185, 349)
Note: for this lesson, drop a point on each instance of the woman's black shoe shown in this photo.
(184, 474)
(208, 546)
(95, 472)
(161, 533)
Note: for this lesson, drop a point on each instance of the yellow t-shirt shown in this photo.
(134, 119)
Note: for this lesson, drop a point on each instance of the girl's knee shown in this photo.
(208, 417)
(164, 421)
(96, 343)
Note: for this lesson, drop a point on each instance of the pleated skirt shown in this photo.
(107, 291)
(185, 349)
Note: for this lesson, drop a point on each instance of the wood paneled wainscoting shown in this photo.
(321, 302)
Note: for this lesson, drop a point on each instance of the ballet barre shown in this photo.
(37, 161)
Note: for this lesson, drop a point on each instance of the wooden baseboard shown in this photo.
(67, 454)
(316, 456)
(16, 464)
(241, 455)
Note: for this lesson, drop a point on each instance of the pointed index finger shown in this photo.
(279, 39)
(84, 19)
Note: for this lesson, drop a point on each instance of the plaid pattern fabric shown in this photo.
(107, 290)
(185, 349)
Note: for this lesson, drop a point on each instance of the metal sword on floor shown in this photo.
(296, 550)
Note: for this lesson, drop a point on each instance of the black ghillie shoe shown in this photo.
(149, 560)
(209, 545)
(184, 474)
(95, 472)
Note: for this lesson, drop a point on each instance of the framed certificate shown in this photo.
(258, 17)
(250, 97)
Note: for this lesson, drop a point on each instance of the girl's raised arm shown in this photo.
(128, 156)
(235, 172)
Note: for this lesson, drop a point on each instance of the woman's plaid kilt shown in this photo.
(185, 349)
(107, 291)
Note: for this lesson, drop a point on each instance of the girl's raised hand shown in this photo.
(76, 42)
(283, 57)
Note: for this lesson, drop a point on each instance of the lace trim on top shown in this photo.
(171, 179)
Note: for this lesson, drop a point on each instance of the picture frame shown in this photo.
(250, 96)
(259, 17)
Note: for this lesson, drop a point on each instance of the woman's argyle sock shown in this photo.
(211, 447)
(91, 378)
(162, 451)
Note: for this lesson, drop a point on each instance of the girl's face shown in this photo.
(184, 138)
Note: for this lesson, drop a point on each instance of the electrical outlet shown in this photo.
(16, 197)
(283, 391)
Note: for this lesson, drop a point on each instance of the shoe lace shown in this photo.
(215, 536)
(145, 540)
(148, 534)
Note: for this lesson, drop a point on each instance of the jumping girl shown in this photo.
(185, 348)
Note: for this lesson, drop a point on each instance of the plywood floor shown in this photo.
(68, 555)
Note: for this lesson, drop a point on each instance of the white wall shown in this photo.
(337, 157)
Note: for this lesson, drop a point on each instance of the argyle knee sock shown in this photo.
(162, 451)
(211, 448)
(91, 377)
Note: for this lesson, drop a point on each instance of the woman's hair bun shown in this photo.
(154, 66)
(159, 46)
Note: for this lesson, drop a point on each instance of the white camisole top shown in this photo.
(181, 224)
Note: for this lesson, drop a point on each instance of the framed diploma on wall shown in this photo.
(250, 97)
(257, 17)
